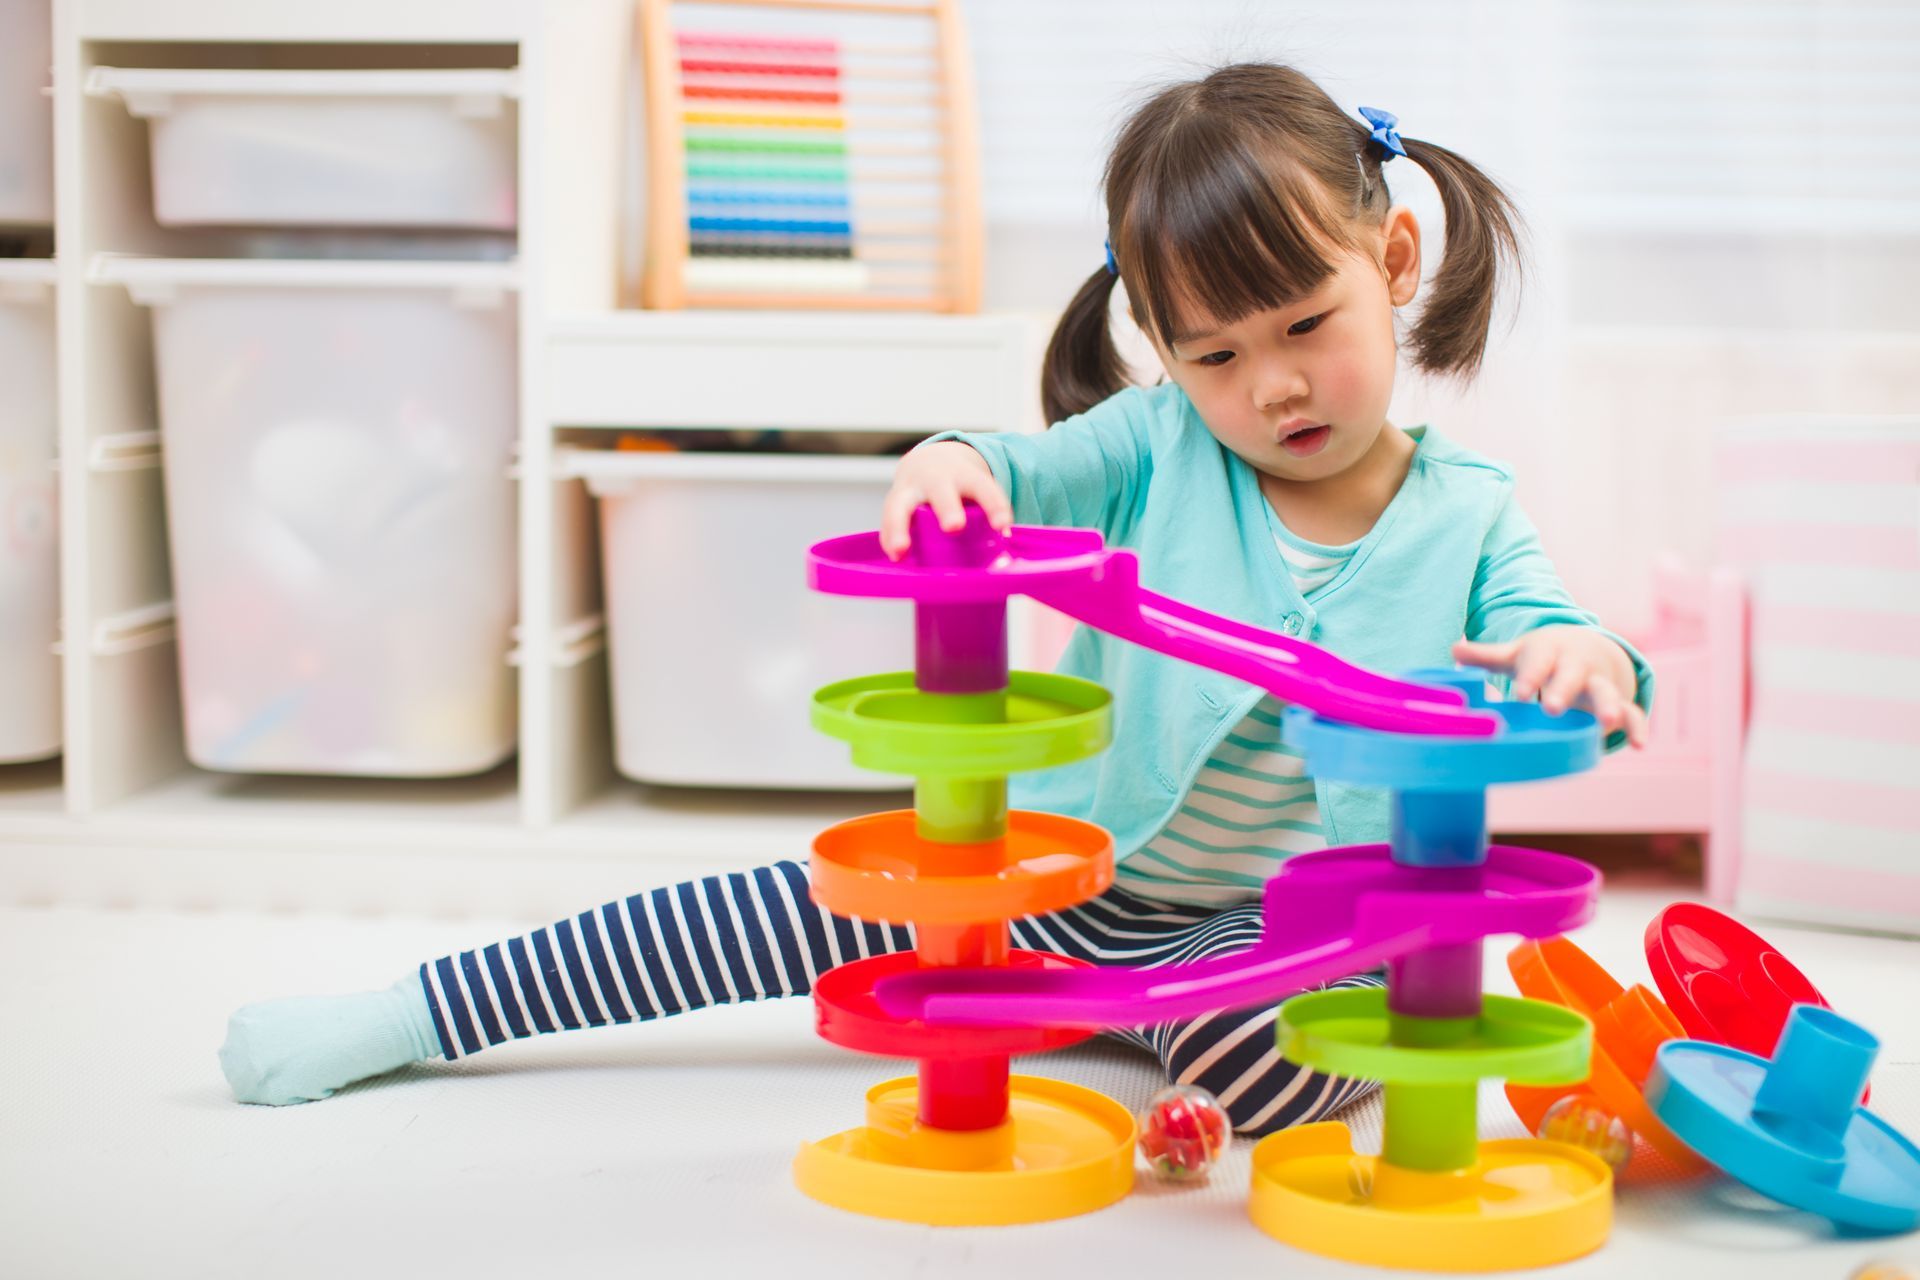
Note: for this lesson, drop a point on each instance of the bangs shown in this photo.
(1215, 233)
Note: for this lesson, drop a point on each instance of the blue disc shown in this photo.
(1531, 745)
(1868, 1178)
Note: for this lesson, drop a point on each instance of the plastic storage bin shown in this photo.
(337, 440)
(29, 556)
(326, 148)
(26, 112)
(717, 642)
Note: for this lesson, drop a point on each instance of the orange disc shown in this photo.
(1629, 1024)
(879, 868)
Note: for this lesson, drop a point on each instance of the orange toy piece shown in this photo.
(1629, 1024)
(880, 868)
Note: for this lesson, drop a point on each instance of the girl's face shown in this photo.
(1301, 392)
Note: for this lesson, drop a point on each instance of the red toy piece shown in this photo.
(1724, 982)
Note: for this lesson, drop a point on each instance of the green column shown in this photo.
(962, 810)
(1433, 1127)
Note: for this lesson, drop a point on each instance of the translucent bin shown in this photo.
(326, 148)
(717, 642)
(337, 439)
(26, 112)
(29, 490)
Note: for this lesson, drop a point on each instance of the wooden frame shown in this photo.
(667, 242)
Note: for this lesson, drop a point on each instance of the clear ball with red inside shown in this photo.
(1582, 1120)
(1183, 1133)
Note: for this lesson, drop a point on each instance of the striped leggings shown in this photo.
(757, 934)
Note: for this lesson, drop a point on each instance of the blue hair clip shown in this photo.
(1384, 132)
(1113, 268)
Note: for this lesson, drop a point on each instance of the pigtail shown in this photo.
(1083, 367)
(1482, 229)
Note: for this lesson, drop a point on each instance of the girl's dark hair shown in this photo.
(1238, 193)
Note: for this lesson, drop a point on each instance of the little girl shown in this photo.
(1262, 255)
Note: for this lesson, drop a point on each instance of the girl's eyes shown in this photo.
(1298, 329)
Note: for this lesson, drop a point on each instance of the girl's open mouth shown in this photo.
(1307, 441)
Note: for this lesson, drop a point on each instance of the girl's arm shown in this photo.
(1521, 620)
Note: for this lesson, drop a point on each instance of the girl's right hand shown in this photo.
(946, 474)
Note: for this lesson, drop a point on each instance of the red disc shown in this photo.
(846, 1013)
(1726, 983)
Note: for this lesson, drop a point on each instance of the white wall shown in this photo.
(1723, 200)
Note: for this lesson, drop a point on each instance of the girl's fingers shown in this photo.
(1566, 684)
(945, 499)
(1531, 670)
(992, 502)
(1606, 703)
(1494, 657)
(1636, 725)
(947, 495)
(896, 516)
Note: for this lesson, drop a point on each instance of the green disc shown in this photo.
(894, 728)
(1347, 1032)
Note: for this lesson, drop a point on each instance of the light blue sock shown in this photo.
(303, 1048)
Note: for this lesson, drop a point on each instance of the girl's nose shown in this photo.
(1278, 386)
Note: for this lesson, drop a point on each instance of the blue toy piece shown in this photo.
(1439, 786)
(1792, 1128)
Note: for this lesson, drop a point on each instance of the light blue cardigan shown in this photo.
(1452, 555)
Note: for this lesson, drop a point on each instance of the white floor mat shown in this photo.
(650, 1150)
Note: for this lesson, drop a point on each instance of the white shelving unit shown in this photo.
(124, 817)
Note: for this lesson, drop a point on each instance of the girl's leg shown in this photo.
(724, 939)
(719, 940)
(1231, 1054)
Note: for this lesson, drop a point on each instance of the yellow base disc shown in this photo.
(1062, 1150)
(1524, 1204)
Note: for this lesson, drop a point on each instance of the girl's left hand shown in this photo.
(1566, 666)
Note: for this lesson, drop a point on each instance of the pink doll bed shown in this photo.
(1687, 780)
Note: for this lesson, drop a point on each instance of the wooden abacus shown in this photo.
(804, 169)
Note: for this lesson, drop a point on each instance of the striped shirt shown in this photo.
(1252, 804)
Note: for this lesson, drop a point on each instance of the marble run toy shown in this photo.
(967, 1142)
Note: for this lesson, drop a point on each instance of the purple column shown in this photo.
(1440, 982)
(958, 648)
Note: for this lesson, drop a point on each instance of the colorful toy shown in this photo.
(1791, 1127)
(959, 724)
(966, 1142)
(1183, 1133)
(1725, 984)
(811, 153)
